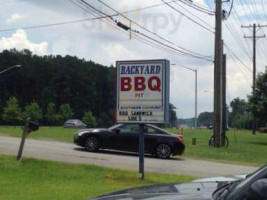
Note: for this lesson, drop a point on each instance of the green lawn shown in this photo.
(49, 133)
(32, 179)
(243, 146)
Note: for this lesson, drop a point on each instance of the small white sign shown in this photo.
(143, 91)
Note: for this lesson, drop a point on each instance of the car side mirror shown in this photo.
(258, 190)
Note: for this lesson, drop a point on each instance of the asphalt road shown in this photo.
(65, 152)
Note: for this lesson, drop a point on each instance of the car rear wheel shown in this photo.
(163, 151)
(92, 144)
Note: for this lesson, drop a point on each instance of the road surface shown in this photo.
(65, 152)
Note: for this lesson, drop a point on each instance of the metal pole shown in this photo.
(254, 74)
(196, 100)
(217, 79)
(10, 68)
(141, 152)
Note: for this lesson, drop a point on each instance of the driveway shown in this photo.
(65, 152)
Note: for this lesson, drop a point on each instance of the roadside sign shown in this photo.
(143, 91)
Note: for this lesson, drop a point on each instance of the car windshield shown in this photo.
(243, 183)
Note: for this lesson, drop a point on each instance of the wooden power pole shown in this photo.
(254, 38)
(217, 121)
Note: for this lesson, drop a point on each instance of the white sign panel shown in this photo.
(143, 91)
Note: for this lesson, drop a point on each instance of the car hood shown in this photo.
(192, 190)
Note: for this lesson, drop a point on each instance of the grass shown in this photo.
(44, 132)
(244, 148)
(32, 179)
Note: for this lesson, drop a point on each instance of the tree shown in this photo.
(65, 112)
(258, 103)
(33, 111)
(240, 116)
(51, 114)
(205, 118)
(89, 119)
(12, 112)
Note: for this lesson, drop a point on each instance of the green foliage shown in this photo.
(258, 103)
(65, 113)
(84, 85)
(205, 118)
(33, 179)
(104, 120)
(33, 111)
(12, 112)
(240, 115)
(89, 119)
(51, 114)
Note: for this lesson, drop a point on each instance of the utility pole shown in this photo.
(254, 39)
(224, 106)
(217, 121)
(196, 99)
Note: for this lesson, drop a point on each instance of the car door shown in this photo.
(127, 138)
(151, 138)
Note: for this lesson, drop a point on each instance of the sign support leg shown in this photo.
(141, 151)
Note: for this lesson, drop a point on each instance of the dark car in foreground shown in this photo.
(253, 187)
(125, 137)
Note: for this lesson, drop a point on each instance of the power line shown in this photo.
(194, 15)
(191, 53)
(196, 7)
(79, 20)
(212, 31)
(115, 22)
(237, 58)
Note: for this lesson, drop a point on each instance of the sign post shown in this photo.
(143, 89)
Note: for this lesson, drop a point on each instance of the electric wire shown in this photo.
(193, 54)
(189, 18)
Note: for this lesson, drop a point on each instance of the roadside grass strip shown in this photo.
(31, 179)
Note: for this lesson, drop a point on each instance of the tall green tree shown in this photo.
(89, 119)
(51, 114)
(12, 112)
(33, 111)
(258, 102)
(205, 118)
(65, 112)
(240, 116)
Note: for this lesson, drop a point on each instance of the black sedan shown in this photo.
(125, 137)
(253, 187)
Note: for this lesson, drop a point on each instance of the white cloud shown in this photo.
(15, 18)
(62, 46)
(19, 41)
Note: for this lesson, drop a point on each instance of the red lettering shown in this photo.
(139, 83)
(126, 84)
(154, 83)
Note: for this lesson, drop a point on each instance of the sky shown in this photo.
(99, 41)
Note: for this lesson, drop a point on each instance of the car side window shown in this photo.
(150, 130)
(129, 128)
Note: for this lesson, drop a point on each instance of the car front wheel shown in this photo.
(163, 151)
(92, 144)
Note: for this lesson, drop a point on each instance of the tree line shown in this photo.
(52, 88)
(55, 88)
(242, 110)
